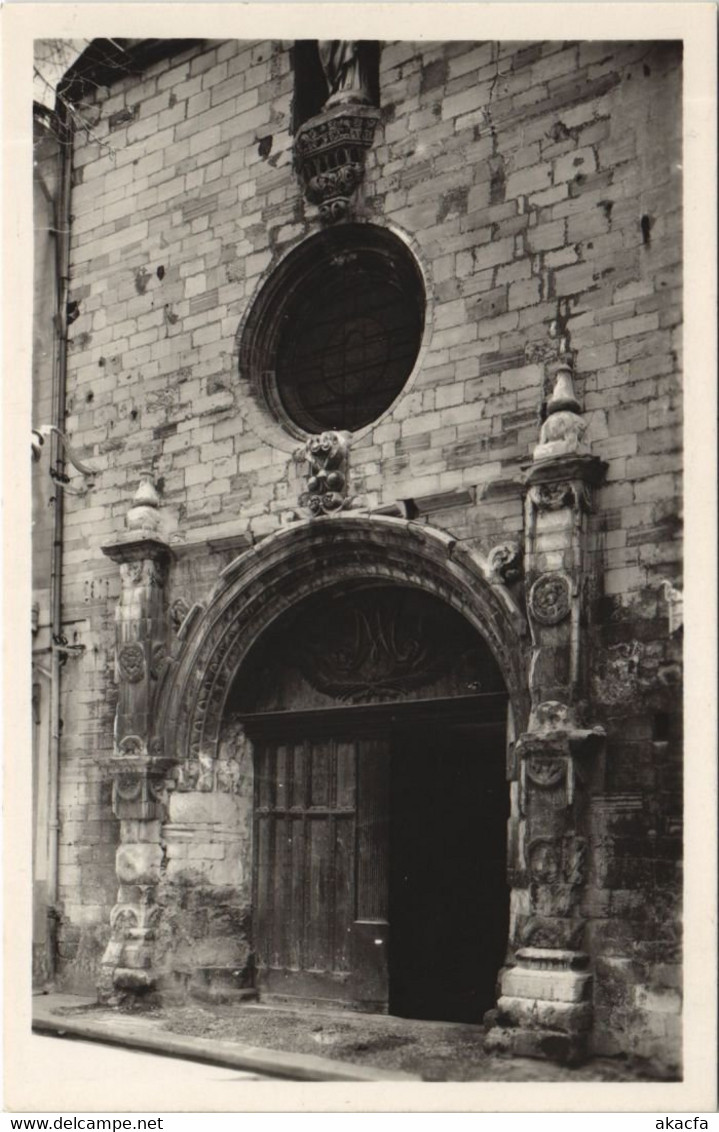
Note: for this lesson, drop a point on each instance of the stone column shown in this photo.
(544, 1008)
(137, 766)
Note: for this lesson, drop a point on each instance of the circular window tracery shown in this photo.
(335, 332)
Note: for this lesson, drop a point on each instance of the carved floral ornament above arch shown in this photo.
(265, 581)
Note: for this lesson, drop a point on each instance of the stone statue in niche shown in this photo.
(346, 76)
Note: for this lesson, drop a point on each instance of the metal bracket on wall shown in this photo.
(58, 477)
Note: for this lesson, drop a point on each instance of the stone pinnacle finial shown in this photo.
(144, 512)
(564, 428)
(563, 398)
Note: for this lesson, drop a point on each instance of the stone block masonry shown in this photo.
(527, 179)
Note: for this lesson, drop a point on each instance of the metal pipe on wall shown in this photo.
(62, 231)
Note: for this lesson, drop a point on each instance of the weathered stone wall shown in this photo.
(523, 175)
(46, 156)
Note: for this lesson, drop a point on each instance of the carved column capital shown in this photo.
(139, 786)
(138, 546)
(551, 477)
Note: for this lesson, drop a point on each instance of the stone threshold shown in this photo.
(131, 1032)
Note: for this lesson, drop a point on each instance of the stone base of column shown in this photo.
(133, 979)
(544, 1009)
(222, 985)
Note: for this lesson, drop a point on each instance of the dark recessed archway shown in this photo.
(319, 558)
(378, 720)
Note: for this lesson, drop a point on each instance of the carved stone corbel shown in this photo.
(504, 563)
(330, 153)
(327, 459)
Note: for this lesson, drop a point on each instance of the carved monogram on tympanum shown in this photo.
(379, 649)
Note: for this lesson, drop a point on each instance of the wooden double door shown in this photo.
(380, 861)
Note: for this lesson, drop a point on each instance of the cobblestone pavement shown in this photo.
(434, 1051)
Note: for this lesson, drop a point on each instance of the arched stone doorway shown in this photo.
(378, 718)
(209, 683)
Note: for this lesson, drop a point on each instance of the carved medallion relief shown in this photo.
(550, 599)
(131, 662)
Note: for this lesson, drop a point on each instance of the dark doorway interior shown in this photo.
(378, 719)
(449, 899)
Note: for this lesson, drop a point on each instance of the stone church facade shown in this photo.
(370, 610)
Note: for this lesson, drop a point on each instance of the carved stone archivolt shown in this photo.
(550, 598)
(300, 562)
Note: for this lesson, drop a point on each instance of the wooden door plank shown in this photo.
(295, 905)
(264, 919)
(344, 851)
(346, 775)
(370, 931)
(373, 830)
(317, 905)
(321, 754)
